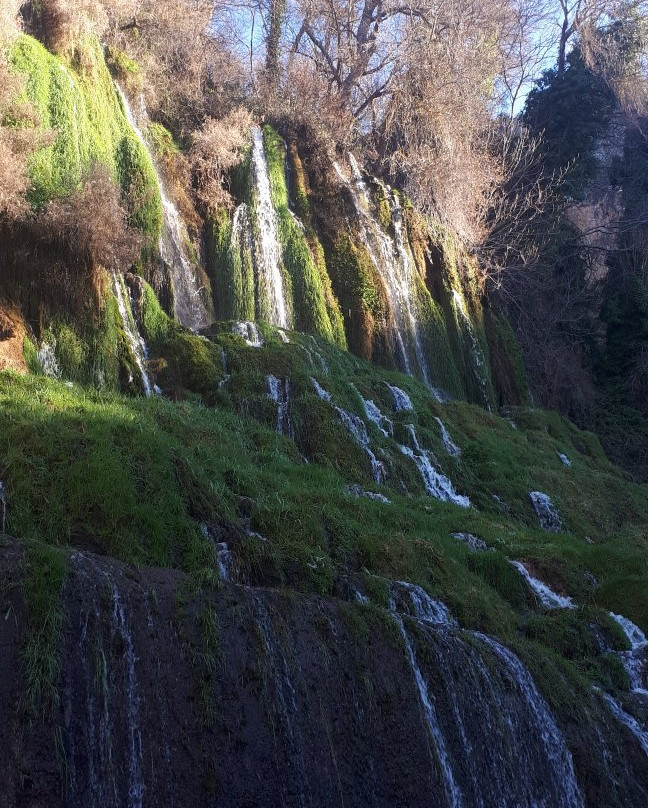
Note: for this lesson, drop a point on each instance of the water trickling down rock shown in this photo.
(546, 511)
(271, 296)
(137, 343)
(436, 484)
(448, 444)
(249, 332)
(279, 392)
(547, 597)
(189, 297)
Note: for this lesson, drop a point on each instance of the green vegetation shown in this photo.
(43, 584)
(309, 298)
(82, 110)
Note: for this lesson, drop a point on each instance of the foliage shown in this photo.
(571, 111)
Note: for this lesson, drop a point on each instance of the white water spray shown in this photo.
(279, 392)
(190, 309)
(546, 511)
(271, 296)
(395, 264)
(135, 339)
(436, 484)
(448, 444)
(547, 597)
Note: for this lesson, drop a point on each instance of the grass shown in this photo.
(136, 478)
(43, 583)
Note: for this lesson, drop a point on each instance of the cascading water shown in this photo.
(475, 543)
(249, 332)
(358, 429)
(562, 767)
(436, 484)
(111, 692)
(224, 561)
(627, 720)
(420, 605)
(130, 329)
(358, 491)
(272, 305)
(402, 402)
(48, 362)
(448, 444)
(395, 264)
(479, 361)
(285, 698)
(546, 511)
(453, 793)
(635, 660)
(374, 414)
(226, 375)
(279, 392)
(190, 308)
(547, 597)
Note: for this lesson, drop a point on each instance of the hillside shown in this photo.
(280, 522)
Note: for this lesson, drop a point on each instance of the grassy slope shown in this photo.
(135, 478)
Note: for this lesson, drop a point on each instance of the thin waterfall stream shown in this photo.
(190, 308)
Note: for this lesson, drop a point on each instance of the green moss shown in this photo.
(45, 573)
(89, 126)
(231, 268)
(91, 352)
(30, 353)
(157, 327)
(124, 68)
(162, 141)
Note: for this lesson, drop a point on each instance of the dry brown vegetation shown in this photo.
(55, 259)
(216, 150)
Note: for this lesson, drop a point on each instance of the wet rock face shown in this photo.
(251, 697)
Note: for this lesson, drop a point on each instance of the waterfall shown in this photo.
(374, 414)
(224, 560)
(136, 785)
(249, 332)
(453, 793)
(627, 720)
(226, 375)
(190, 310)
(474, 542)
(546, 511)
(395, 264)
(420, 605)
(357, 428)
(436, 484)
(556, 751)
(476, 349)
(547, 597)
(271, 295)
(113, 731)
(135, 339)
(402, 402)
(279, 392)
(448, 444)
(285, 699)
(359, 491)
(48, 362)
(635, 660)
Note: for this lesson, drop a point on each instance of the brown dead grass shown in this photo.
(12, 335)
